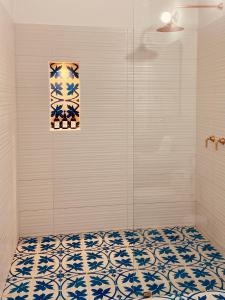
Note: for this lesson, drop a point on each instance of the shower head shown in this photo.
(170, 27)
(170, 19)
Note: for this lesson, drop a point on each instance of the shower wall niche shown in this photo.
(64, 95)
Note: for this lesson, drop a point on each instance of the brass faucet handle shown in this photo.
(211, 138)
(221, 141)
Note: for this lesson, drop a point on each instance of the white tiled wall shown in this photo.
(8, 220)
(76, 181)
(73, 181)
(211, 116)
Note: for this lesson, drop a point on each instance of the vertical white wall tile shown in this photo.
(36, 222)
(8, 212)
(68, 176)
(210, 118)
(87, 219)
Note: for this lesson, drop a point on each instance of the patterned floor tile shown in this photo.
(174, 263)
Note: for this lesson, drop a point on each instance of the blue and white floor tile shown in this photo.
(174, 263)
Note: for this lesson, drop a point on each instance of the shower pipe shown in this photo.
(219, 6)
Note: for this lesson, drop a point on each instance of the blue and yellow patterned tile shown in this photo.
(171, 262)
(33, 288)
(154, 237)
(220, 295)
(28, 245)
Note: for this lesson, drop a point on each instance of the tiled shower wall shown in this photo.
(8, 219)
(73, 181)
(210, 116)
(78, 181)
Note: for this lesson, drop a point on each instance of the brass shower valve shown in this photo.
(211, 138)
(221, 141)
(215, 140)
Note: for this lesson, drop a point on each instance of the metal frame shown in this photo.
(219, 6)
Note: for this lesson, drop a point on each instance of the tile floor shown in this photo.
(173, 262)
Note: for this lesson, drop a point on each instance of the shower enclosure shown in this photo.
(170, 61)
(164, 143)
(129, 203)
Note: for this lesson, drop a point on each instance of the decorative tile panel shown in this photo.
(64, 95)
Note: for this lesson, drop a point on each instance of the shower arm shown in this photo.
(219, 6)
